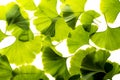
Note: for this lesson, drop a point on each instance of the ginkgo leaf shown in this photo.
(90, 28)
(76, 61)
(108, 39)
(71, 10)
(5, 69)
(48, 7)
(69, 16)
(13, 16)
(93, 65)
(61, 26)
(22, 52)
(27, 4)
(76, 5)
(2, 13)
(26, 35)
(42, 22)
(78, 38)
(50, 31)
(110, 8)
(2, 35)
(29, 72)
(54, 64)
(45, 23)
(114, 69)
(88, 17)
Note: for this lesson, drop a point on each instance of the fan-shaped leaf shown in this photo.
(27, 4)
(108, 39)
(5, 69)
(77, 38)
(29, 73)
(22, 52)
(110, 8)
(54, 64)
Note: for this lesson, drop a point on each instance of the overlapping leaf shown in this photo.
(22, 52)
(77, 38)
(62, 30)
(71, 12)
(29, 73)
(2, 13)
(108, 39)
(110, 8)
(27, 4)
(54, 64)
(88, 17)
(76, 61)
(14, 17)
(48, 7)
(47, 17)
(95, 66)
(5, 69)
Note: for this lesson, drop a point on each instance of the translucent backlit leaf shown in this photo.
(62, 30)
(88, 17)
(5, 69)
(54, 64)
(48, 7)
(42, 22)
(114, 69)
(108, 39)
(2, 12)
(22, 52)
(27, 4)
(93, 65)
(69, 16)
(77, 38)
(76, 5)
(76, 61)
(90, 28)
(13, 16)
(29, 73)
(110, 8)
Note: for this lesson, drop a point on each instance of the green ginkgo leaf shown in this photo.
(88, 17)
(110, 9)
(27, 4)
(54, 64)
(42, 22)
(61, 26)
(5, 69)
(76, 6)
(26, 35)
(47, 17)
(77, 38)
(50, 31)
(3, 12)
(69, 16)
(48, 7)
(28, 73)
(76, 61)
(93, 65)
(90, 28)
(2, 35)
(111, 71)
(108, 39)
(22, 52)
(71, 9)
(14, 17)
